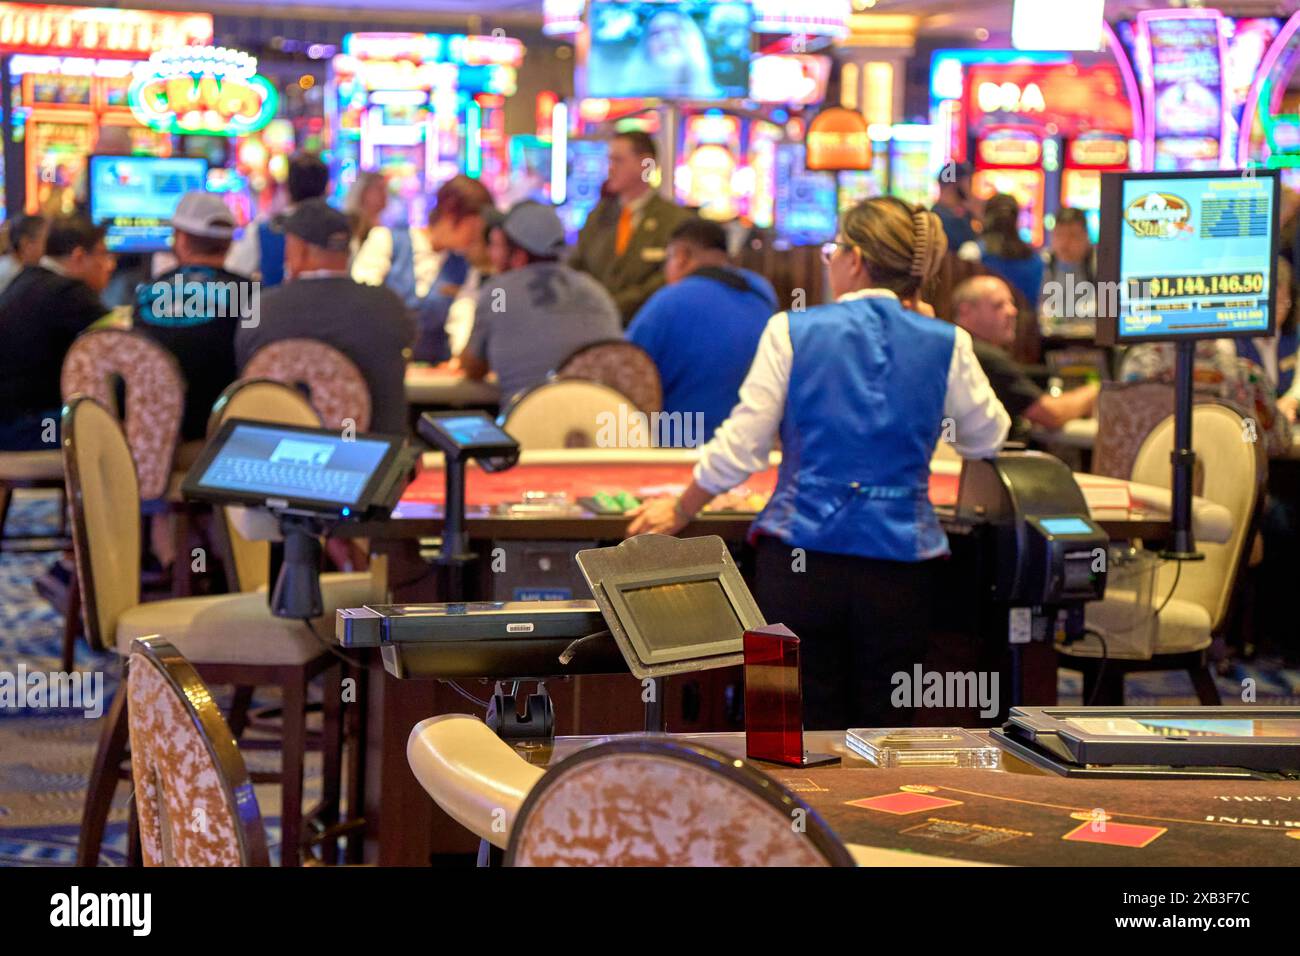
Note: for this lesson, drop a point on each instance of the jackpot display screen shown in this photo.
(1190, 256)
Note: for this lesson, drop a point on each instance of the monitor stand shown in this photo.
(1183, 459)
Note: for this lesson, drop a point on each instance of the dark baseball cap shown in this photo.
(316, 222)
(532, 226)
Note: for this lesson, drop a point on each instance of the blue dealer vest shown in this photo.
(270, 249)
(863, 412)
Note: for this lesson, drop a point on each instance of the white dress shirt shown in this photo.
(374, 260)
(741, 445)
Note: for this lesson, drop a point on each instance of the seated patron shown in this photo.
(536, 311)
(260, 250)
(320, 300)
(1005, 253)
(195, 309)
(983, 306)
(43, 309)
(25, 242)
(702, 329)
(1222, 370)
(1069, 271)
(954, 211)
(430, 269)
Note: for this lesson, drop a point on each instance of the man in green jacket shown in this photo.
(622, 244)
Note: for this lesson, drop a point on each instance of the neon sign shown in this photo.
(838, 139)
(94, 31)
(205, 90)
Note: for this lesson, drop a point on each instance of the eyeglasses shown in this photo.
(828, 249)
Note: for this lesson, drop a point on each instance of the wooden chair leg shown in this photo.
(1103, 684)
(71, 625)
(293, 744)
(331, 754)
(237, 718)
(1207, 691)
(103, 779)
(6, 496)
(356, 786)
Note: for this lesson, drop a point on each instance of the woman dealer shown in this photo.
(860, 391)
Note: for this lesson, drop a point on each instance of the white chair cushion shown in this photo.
(31, 465)
(225, 629)
(1183, 627)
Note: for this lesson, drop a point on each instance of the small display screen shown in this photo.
(1196, 256)
(675, 49)
(278, 463)
(137, 195)
(1186, 727)
(683, 615)
(1065, 526)
(472, 431)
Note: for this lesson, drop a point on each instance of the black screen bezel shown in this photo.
(192, 489)
(1110, 238)
(448, 445)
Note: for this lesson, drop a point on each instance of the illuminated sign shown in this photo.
(1074, 98)
(838, 139)
(802, 17)
(1099, 149)
(1010, 147)
(562, 18)
(1010, 98)
(789, 78)
(99, 32)
(204, 90)
(436, 48)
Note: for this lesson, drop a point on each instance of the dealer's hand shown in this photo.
(657, 516)
(1288, 407)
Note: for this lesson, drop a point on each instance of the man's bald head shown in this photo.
(984, 307)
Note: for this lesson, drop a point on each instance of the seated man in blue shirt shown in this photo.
(702, 329)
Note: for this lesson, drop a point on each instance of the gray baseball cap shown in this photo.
(204, 214)
(532, 226)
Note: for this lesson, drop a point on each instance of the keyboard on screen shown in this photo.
(284, 479)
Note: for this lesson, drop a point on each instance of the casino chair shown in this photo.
(334, 385)
(631, 801)
(1200, 593)
(153, 389)
(621, 365)
(230, 638)
(565, 414)
(193, 795)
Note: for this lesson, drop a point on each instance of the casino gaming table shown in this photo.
(538, 500)
(1021, 816)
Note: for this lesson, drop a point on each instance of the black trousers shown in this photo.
(859, 622)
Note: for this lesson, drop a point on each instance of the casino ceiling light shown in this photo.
(1053, 25)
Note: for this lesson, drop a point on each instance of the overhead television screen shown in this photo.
(674, 49)
(136, 196)
(1190, 255)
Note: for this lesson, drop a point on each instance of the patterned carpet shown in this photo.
(45, 755)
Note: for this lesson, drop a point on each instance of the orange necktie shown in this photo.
(624, 234)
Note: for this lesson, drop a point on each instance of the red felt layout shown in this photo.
(483, 490)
